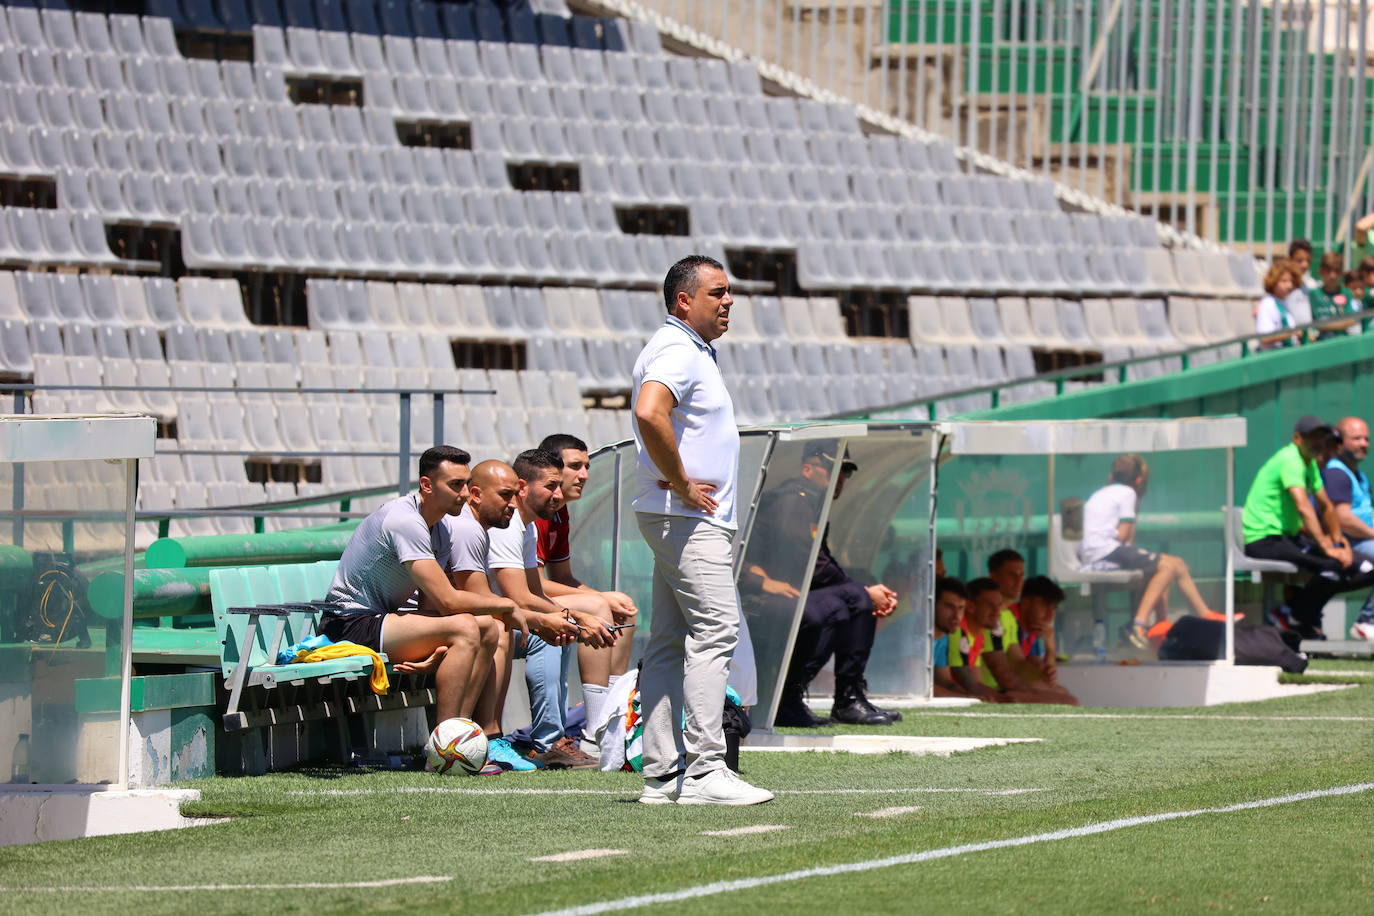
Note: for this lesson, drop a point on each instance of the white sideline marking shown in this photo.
(303, 886)
(744, 831)
(579, 854)
(432, 790)
(889, 812)
(913, 858)
(1151, 715)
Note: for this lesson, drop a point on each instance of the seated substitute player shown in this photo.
(994, 649)
(1109, 529)
(951, 677)
(491, 505)
(841, 614)
(600, 668)
(513, 565)
(394, 595)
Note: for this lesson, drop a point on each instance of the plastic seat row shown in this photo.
(481, 19)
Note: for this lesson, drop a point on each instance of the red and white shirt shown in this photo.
(553, 542)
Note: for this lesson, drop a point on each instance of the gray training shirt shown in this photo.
(372, 577)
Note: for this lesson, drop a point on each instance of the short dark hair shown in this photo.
(1003, 557)
(682, 277)
(535, 459)
(1367, 265)
(980, 585)
(558, 442)
(433, 457)
(951, 585)
(1044, 588)
(1332, 260)
(1299, 245)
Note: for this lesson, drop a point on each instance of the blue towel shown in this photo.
(288, 655)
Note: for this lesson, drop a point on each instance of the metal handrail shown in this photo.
(1060, 376)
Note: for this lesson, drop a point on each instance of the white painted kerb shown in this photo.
(37, 816)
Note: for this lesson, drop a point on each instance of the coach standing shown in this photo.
(688, 461)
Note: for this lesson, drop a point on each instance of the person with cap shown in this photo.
(1288, 517)
(840, 616)
(1348, 489)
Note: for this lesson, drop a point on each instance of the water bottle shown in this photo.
(1100, 641)
(19, 771)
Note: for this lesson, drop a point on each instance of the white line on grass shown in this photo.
(432, 790)
(744, 884)
(1124, 715)
(889, 812)
(745, 831)
(303, 886)
(579, 854)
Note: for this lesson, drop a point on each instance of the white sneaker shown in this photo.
(1362, 629)
(663, 791)
(721, 787)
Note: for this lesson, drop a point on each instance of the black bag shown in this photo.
(1270, 646)
(1195, 639)
(736, 726)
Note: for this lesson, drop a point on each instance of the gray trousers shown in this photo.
(694, 629)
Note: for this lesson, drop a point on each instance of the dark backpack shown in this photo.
(1195, 639)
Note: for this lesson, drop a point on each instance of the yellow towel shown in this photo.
(379, 681)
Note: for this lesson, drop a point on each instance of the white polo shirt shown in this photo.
(703, 423)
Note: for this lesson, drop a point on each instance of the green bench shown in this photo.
(260, 610)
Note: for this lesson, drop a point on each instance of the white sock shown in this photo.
(594, 696)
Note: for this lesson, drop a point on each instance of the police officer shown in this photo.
(840, 615)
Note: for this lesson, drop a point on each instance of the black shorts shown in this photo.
(364, 629)
(1129, 556)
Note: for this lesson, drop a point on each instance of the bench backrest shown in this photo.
(251, 586)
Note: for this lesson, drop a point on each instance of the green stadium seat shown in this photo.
(240, 599)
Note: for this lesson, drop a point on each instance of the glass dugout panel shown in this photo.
(60, 664)
(775, 573)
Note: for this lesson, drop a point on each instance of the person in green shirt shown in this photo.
(1280, 522)
(1365, 268)
(1362, 239)
(1332, 300)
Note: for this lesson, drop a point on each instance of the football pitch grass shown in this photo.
(333, 840)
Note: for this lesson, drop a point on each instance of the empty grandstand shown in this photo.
(283, 228)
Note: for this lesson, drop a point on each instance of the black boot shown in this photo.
(852, 706)
(793, 712)
(894, 714)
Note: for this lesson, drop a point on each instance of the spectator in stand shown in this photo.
(1279, 523)
(1300, 253)
(952, 678)
(1332, 301)
(1274, 314)
(1109, 529)
(1362, 239)
(1366, 269)
(1354, 281)
(1348, 489)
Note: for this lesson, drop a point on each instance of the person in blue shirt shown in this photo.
(1348, 489)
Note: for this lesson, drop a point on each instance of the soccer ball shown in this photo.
(457, 745)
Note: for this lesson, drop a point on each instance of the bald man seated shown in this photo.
(1348, 489)
(394, 595)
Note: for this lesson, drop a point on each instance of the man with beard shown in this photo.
(490, 506)
(512, 559)
(393, 595)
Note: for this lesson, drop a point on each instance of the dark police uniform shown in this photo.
(838, 615)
